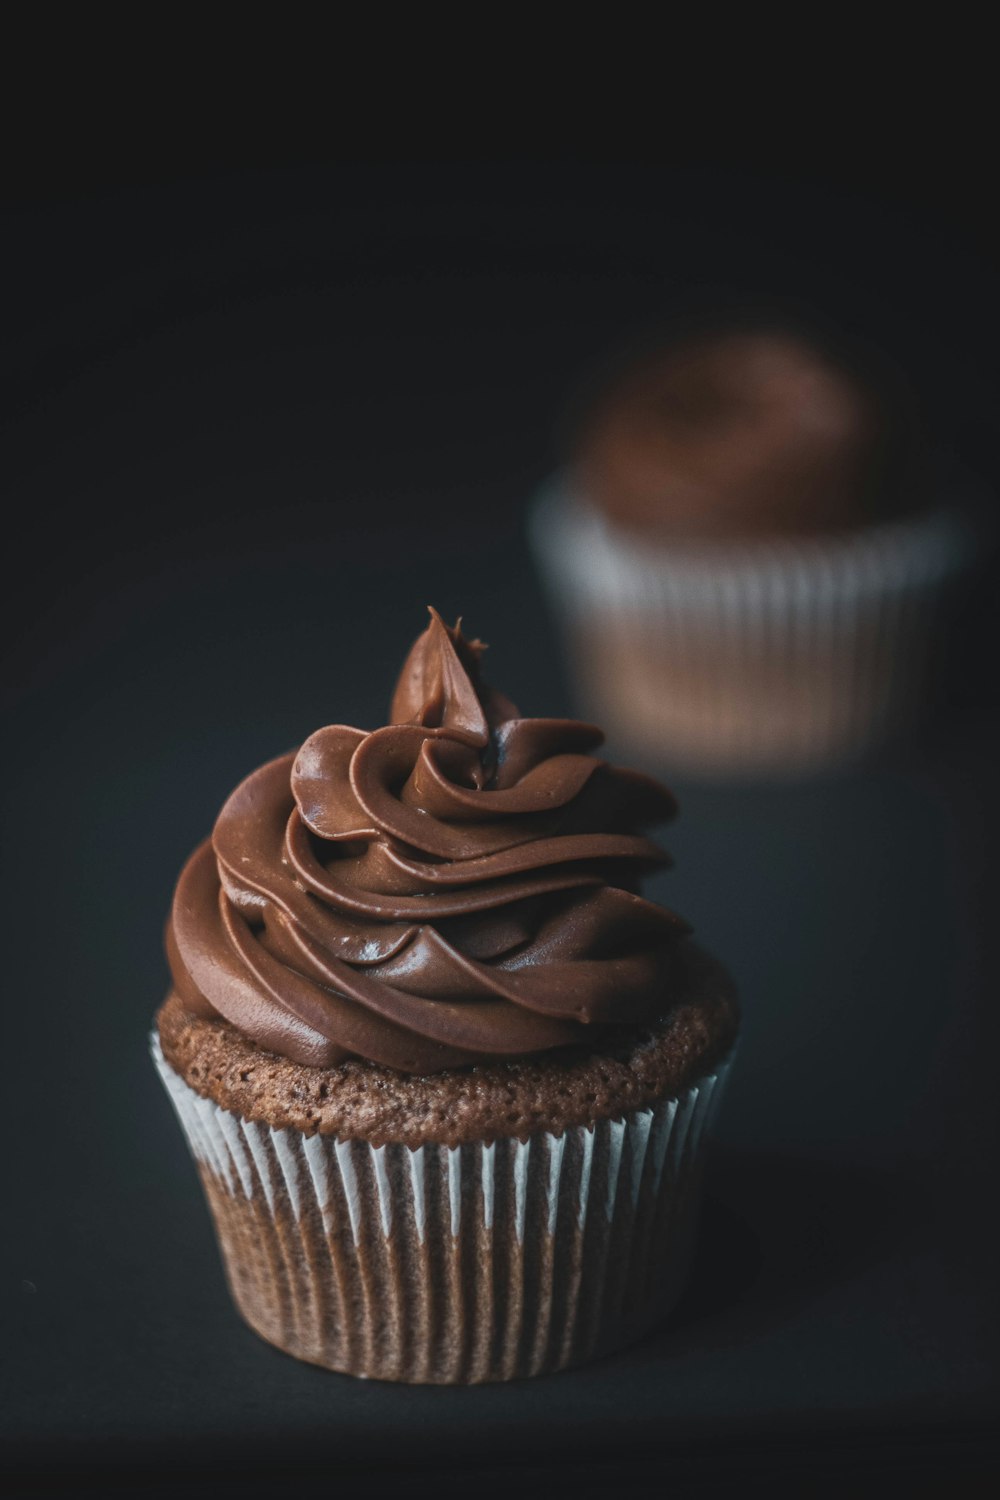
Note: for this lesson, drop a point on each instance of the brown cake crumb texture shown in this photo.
(358, 1100)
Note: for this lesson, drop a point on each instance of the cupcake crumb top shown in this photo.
(355, 1100)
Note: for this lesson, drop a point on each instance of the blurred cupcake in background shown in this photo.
(749, 552)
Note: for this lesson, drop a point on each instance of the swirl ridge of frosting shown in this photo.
(459, 886)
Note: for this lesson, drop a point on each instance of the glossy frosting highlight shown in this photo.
(456, 887)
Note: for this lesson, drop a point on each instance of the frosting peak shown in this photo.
(440, 685)
(457, 886)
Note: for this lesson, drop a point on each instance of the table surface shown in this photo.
(247, 459)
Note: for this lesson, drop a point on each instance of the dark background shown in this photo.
(269, 388)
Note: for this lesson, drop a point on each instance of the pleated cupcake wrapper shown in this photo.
(784, 655)
(441, 1264)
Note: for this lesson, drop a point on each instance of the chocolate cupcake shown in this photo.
(747, 552)
(445, 1073)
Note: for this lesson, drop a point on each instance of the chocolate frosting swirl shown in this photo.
(456, 887)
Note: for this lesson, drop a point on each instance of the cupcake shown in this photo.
(743, 548)
(445, 1073)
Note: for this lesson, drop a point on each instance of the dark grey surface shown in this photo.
(255, 433)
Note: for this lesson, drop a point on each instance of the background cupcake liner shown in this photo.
(785, 655)
(481, 1262)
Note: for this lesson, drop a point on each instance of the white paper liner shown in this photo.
(785, 655)
(453, 1265)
